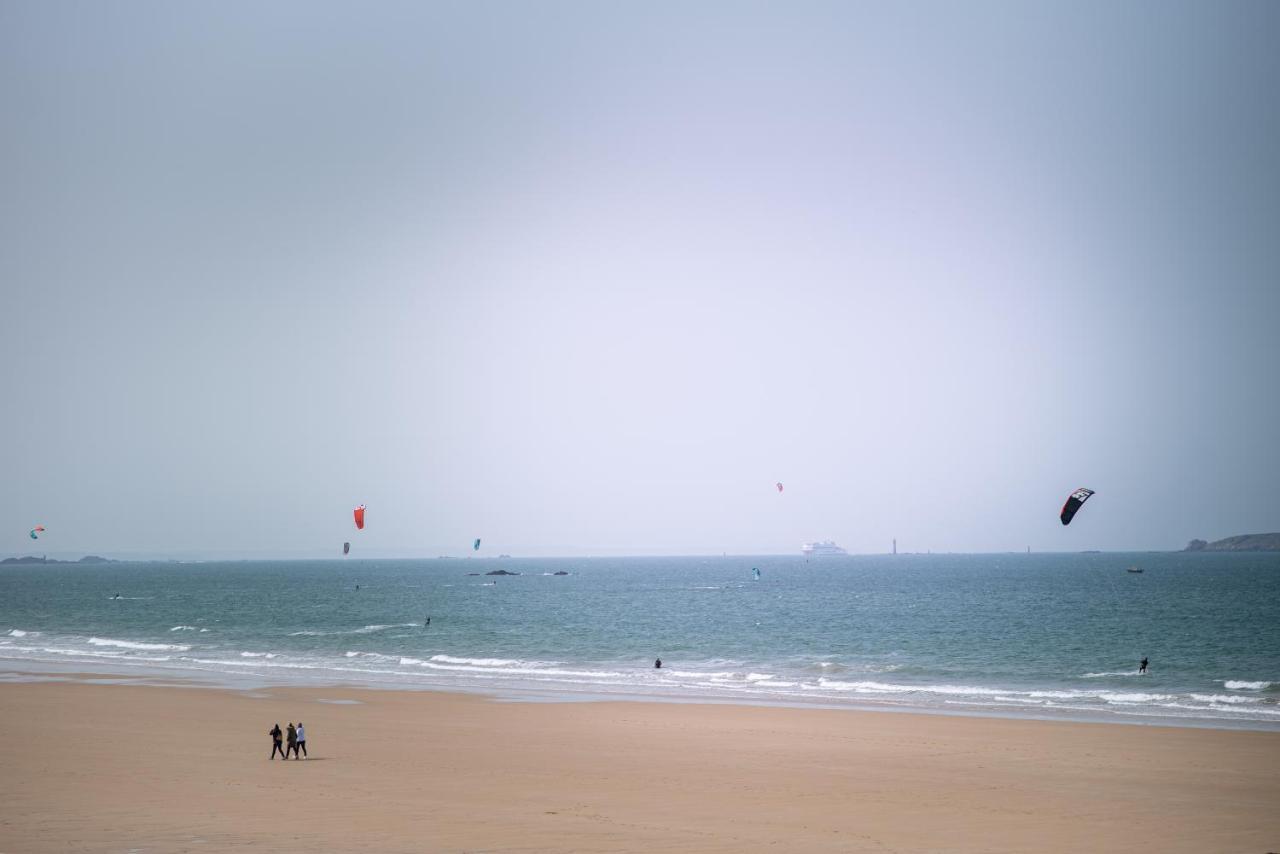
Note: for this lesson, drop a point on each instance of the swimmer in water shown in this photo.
(657, 663)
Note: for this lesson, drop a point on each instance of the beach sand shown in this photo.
(120, 768)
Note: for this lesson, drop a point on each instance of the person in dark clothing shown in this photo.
(275, 742)
(657, 663)
(292, 746)
(1142, 668)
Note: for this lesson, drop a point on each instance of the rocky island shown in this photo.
(1239, 543)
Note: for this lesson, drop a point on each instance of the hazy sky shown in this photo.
(588, 278)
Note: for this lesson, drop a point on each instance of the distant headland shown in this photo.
(32, 559)
(1239, 543)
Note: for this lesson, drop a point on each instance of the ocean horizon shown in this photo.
(1043, 635)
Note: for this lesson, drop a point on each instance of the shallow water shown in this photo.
(1046, 635)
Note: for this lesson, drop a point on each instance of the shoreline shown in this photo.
(104, 767)
(13, 672)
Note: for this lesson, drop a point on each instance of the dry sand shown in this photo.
(120, 768)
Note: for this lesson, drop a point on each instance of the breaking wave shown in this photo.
(1233, 685)
(123, 644)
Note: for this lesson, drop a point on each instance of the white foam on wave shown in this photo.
(1110, 673)
(511, 668)
(832, 668)
(184, 629)
(870, 687)
(379, 658)
(363, 630)
(258, 654)
(478, 662)
(19, 633)
(84, 655)
(734, 677)
(175, 647)
(1225, 707)
(1224, 698)
(1129, 699)
(258, 663)
(57, 650)
(1026, 701)
(1235, 685)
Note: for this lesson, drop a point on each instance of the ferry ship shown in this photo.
(826, 548)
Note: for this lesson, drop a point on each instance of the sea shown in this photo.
(1056, 636)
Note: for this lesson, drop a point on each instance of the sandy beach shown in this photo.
(126, 767)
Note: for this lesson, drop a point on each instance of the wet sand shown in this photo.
(115, 768)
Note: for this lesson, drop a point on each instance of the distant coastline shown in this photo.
(1238, 543)
(1269, 542)
(32, 559)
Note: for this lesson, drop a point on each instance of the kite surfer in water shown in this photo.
(657, 663)
(1142, 668)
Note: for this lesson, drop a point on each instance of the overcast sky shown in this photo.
(589, 278)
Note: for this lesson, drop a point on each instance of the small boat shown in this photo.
(1133, 569)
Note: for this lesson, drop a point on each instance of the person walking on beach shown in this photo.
(1142, 668)
(302, 742)
(275, 742)
(293, 742)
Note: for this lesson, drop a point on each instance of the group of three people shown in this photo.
(297, 741)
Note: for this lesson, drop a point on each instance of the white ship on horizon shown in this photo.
(826, 548)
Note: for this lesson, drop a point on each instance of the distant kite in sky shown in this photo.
(37, 528)
(1074, 502)
(346, 548)
(476, 546)
(779, 485)
(359, 514)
